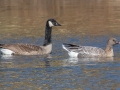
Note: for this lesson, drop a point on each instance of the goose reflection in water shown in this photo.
(86, 61)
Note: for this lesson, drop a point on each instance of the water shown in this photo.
(83, 22)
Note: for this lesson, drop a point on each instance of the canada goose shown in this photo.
(28, 49)
(89, 51)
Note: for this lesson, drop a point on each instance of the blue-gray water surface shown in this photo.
(84, 22)
(60, 72)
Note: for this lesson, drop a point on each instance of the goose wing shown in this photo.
(21, 48)
(88, 51)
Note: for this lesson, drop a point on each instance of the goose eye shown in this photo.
(114, 40)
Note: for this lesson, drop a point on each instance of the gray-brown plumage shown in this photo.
(28, 49)
(89, 51)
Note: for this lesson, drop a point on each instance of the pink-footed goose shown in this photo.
(79, 51)
(29, 49)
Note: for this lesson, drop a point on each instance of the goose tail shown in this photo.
(1, 45)
(69, 47)
(65, 47)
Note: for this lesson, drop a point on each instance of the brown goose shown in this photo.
(89, 51)
(28, 49)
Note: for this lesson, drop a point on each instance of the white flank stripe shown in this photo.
(65, 48)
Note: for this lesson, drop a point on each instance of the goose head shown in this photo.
(48, 30)
(52, 22)
(113, 41)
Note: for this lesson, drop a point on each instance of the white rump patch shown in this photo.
(50, 23)
(70, 53)
(6, 51)
(73, 54)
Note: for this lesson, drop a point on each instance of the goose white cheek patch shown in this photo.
(50, 23)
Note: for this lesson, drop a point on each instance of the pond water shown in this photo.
(85, 22)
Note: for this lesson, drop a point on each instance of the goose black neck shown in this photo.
(48, 32)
